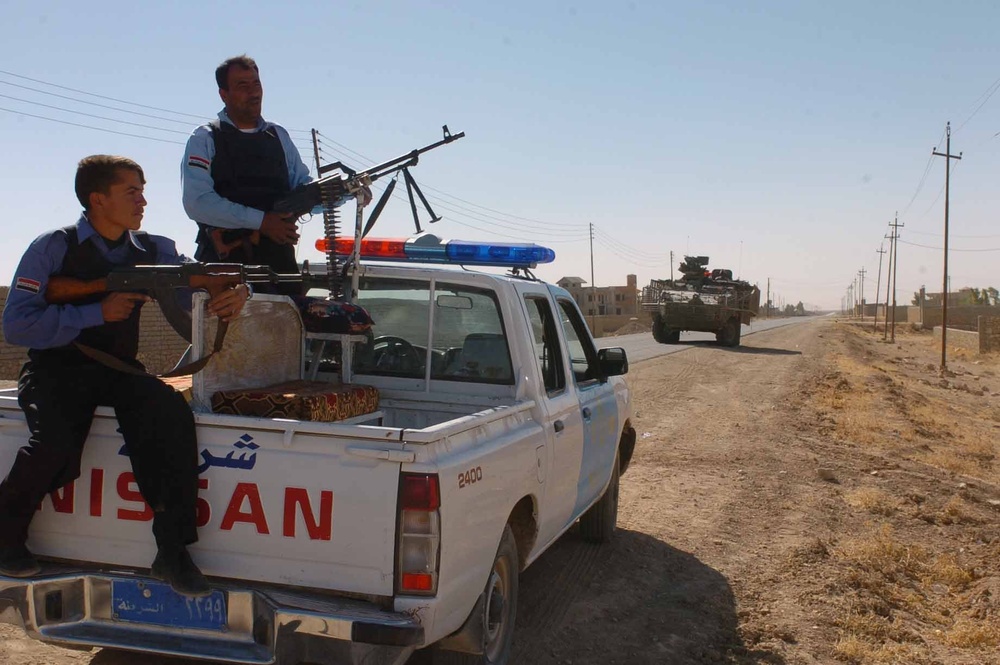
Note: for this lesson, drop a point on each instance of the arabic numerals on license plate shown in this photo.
(208, 609)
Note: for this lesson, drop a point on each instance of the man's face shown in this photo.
(121, 208)
(243, 99)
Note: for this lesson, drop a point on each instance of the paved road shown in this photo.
(642, 346)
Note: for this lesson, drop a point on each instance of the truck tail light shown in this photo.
(419, 534)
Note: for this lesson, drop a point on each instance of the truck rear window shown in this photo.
(456, 332)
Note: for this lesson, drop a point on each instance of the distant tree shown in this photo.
(991, 296)
(800, 309)
(789, 310)
(916, 298)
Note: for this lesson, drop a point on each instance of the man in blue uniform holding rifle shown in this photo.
(61, 385)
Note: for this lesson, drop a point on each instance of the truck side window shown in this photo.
(546, 340)
(582, 354)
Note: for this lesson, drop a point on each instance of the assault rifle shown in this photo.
(212, 277)
(331, 188)
(159, 282)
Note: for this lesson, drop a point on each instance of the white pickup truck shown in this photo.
(499, 425)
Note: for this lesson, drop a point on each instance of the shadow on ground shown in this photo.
(636, 600)
(750, 350)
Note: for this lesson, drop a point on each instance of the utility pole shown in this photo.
(862, 273)
(944, 289)
(895, 265)
(878, 285)
(593, 287)
(888, 275)
(767, 305)
(671, 265)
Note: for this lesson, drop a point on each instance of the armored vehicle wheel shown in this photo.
(674, 337)
(730, 333)
(659, 329)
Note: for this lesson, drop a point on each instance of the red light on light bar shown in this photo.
(417, 582)
(375, 248)
(420, 492)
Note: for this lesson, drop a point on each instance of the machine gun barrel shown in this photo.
(304, 198)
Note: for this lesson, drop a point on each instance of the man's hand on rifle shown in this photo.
(280, 227)
(118, 306)
(228, 304)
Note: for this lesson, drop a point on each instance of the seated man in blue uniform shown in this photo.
(60, 387)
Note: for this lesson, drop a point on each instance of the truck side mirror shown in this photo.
(613, 361)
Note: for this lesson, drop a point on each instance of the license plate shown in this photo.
(158, 604)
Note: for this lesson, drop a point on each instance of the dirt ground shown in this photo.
(816, 496)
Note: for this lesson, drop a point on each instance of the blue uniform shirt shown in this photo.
(28, 320)
(202, 204)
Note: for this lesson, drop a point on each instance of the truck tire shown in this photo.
(499, 610)
(674, 337)
(597, 525)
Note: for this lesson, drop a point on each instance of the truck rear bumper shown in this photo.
(75, 608)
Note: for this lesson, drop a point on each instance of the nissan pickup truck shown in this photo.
(498, 426)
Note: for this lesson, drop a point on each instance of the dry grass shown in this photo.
(917, 587)
(854, 649)
(873, 500)
(972, 634)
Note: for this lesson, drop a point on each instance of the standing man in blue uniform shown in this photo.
(235, 168)
(60, 387)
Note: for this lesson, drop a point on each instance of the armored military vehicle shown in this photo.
(702, 300)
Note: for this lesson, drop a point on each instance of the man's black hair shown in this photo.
(222, 71)
(98, 172)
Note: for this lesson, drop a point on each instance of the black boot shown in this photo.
(174, 566)
(17, 561)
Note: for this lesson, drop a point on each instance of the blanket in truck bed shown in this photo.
(318, 401)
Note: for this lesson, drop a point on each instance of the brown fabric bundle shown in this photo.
(299, 400)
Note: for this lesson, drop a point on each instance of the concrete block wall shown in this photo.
(960, 339)
(989, 334)
(159, 346)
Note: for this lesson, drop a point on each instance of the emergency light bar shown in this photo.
(428, 248)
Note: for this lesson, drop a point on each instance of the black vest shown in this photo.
(84, 261)
(249, 168)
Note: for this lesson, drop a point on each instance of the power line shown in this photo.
(92, 94)
(91, 115)
(100, 129)
(89, 103)
(952, 249)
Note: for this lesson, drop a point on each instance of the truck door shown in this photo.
(559, 411)
(597, 405)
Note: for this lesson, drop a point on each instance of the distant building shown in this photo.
(604, 300)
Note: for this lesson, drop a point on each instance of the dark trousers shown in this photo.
(279, 258)
(58, 400)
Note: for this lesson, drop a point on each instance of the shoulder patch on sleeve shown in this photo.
(199, 162)
(29, 285)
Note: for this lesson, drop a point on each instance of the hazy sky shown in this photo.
(778, 138)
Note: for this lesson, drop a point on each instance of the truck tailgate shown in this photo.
(287, 502)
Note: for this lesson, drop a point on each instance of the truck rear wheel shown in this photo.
(499, 610)
(598, 524)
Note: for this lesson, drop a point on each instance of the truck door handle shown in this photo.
(586, 412)
(558, 426)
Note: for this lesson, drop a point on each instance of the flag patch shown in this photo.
(199, 162)
(29, 285)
